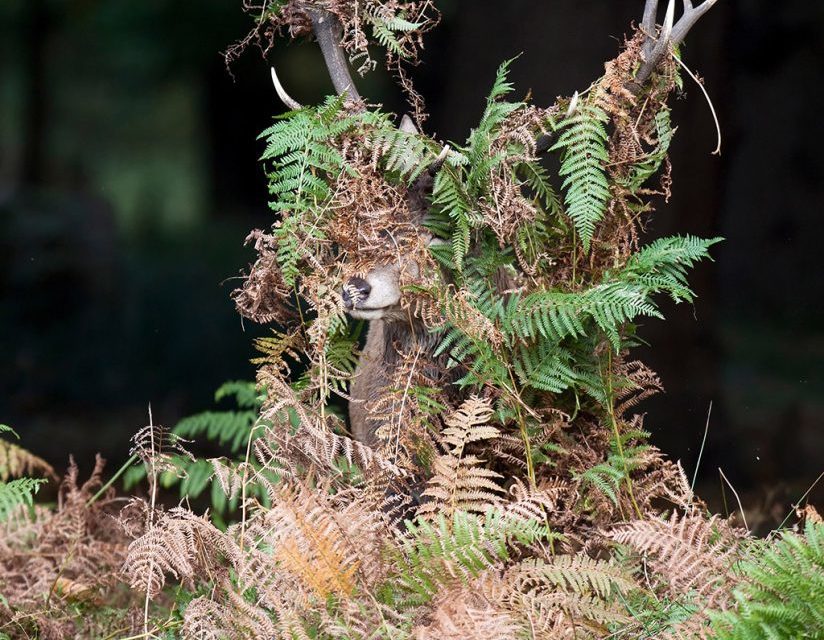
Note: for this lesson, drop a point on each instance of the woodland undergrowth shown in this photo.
(513, 492)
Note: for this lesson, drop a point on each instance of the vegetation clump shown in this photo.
(511, 491)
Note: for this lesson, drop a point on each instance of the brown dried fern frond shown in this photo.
(312, 444)
(178, 543)
(228, 614)
(51, 559)
(466, 612)
(665, 481)
(204, 618)
(469, 423)
(569, 595)
(640, 383)
(686, 554)
(459, 482)
(158, 448)
(329, 543)
(264, 296)
(15, 462)
(403, 411)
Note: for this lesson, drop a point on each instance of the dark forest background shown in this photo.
(129, 179)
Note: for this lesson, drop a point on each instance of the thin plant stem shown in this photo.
(124, 467)
(701, 450)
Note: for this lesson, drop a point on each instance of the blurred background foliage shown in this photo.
(129, 179)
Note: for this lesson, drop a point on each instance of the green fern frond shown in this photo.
(17, 493)
(4, 428)
(244, 393)
(481, 161)
(580, 574)
(536, 179)
(556, 315)
(385, 27)
(448, 551)
(298, 151)
(782, 595)
(495, 113)
(449, 195)
(401, 152)
(232, 427)
(662, 265)
(583, 146)
(544, 366)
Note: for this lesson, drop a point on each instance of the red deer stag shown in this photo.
(378, 295)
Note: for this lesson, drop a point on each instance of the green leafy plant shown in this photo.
(16, 462)
(781, 590)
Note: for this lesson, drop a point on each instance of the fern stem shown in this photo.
(617, 435)
(150, 523)
(701, 450)
(574, 255)
(243, 487)
(800, 500)
(112, 480)
(530, 465)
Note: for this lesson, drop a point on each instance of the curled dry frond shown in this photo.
(15, 462)
(298, 439)
(466, 612)
(176, 543)
(158, 448)
(264, 296)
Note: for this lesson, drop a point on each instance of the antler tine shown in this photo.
(648, 23)
(666, 31)
(670, 34)
(327, 30)
(691, 16)
(284, 97)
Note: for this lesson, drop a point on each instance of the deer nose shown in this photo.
(354, 291)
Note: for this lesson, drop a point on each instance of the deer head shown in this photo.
(376, 294)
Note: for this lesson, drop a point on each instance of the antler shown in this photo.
(288, 100)
(671, 35)
(328, 31)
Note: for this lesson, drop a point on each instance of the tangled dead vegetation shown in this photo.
(56, 563)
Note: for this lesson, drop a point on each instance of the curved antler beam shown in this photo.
(328, 31)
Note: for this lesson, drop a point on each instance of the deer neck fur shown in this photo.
(386, 342)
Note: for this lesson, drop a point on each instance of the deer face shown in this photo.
(378, 295)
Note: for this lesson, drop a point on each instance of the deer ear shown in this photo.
(407, 125)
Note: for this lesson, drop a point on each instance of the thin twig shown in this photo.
(735, 493)
(701, 86)
(798, 502)
(113, 479)
(153, 485)
(701, 451)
